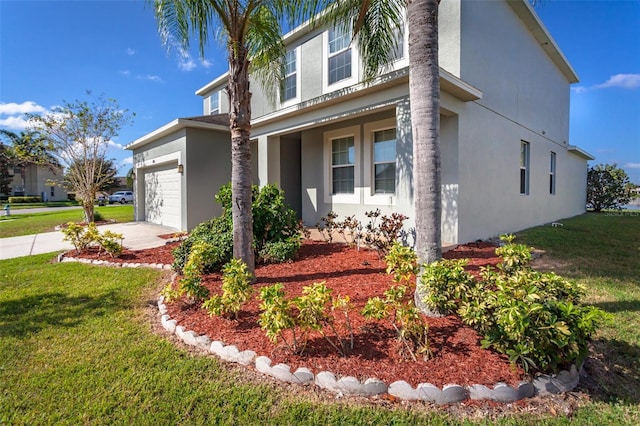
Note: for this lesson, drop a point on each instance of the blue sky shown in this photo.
(53, 51)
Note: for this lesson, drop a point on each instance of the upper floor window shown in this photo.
(214, 103)
(384, 161)
(342, 165)
(552, 173)
(524, 168)
(339, 54)
(289, 84)
(398, 51)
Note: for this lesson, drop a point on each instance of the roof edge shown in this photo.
(580, 152)
(531, 19)
(172, 127)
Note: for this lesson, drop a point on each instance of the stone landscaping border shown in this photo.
(501, 392)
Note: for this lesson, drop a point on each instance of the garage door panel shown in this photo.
(162, 196)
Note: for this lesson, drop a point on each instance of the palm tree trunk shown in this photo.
(240, 126)
(424, 92)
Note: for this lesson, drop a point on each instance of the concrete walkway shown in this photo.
(137, 236)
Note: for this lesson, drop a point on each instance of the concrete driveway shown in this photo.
(137, 236)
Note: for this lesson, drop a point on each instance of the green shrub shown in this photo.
(111, 242)
(236, 290)
(277, 316)
(97, 216)
(447, 284)
(83, 237)
(534, 318)
(398, 308)
(25, 199)
(281, 251)
(401, 262)
(314, 310)
(218, 234)
(514, 256)
(273, 222)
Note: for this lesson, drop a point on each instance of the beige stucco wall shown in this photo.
(208, 168)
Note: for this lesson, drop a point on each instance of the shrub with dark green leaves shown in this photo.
(217, 233)
(535, 318)
(281, 251)
(273, 222)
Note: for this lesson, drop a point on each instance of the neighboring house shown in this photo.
(34, 180)
(334, 144)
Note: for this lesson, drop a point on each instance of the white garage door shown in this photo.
(162, 196)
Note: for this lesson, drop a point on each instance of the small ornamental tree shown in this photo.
(608, 187)
(79, 134)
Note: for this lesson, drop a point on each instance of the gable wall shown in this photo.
(525, 97)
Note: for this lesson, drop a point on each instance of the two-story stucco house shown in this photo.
(37, 181)
(333, 143)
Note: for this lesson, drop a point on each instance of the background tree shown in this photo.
(6, 169)
(79, 134)
(105, 174)
(252, 32)
(608, 187)
(130, 178)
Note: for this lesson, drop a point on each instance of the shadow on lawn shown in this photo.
(613, 371)
(31, 314)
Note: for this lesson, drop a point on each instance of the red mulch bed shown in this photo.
(458, 356)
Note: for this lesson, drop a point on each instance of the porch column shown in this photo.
(268, 160)
(404, 161)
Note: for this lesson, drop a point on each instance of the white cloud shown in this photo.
(130, 51)
(13, 108)
(13, 123)
(624, 81)
(185, 61)
(154, 78)
(113, 144)
(127, 161)
(632, 165)
(149, 77)
(206, 63)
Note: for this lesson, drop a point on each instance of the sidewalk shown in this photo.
(137, 236)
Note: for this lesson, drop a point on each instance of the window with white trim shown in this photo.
(214, 103)
(342, 158)
(342, 165)
(339, 54)
(384, 161)
(290, 81)
(552, 173)
(524, 168)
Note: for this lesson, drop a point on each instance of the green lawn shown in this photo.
(24, 206)
(76, 347)
(34, 223)
(602, 251)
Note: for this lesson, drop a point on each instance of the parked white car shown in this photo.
(121, 197)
